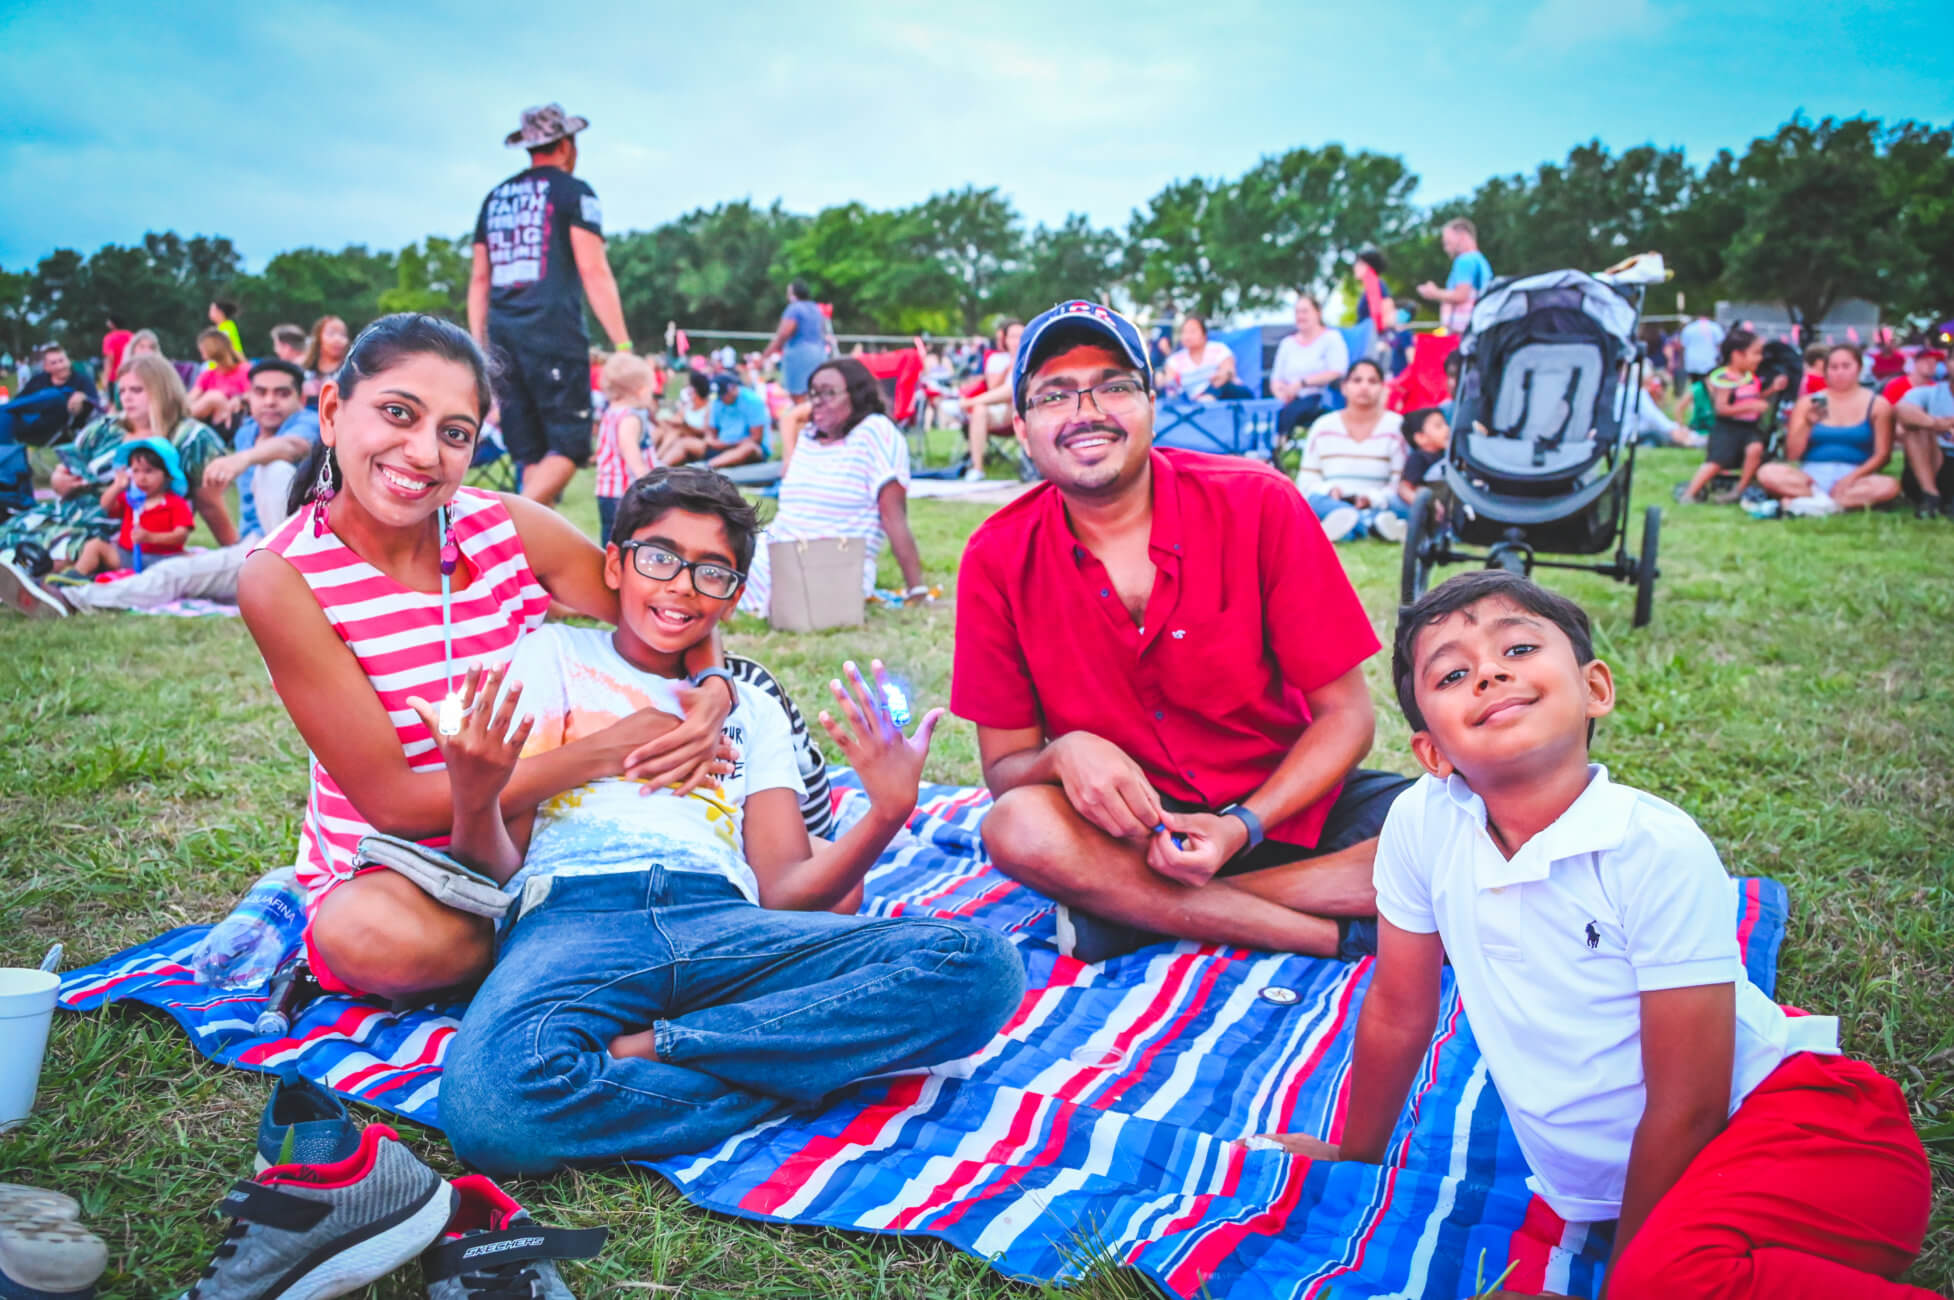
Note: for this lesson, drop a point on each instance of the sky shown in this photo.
(328, 123)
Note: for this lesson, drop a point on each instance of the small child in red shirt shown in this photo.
(148, 497)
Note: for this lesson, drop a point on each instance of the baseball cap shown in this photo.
(723, 384)
(1068, 325)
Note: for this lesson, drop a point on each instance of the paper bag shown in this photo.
(817, 583)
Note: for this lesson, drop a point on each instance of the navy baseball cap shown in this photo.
(1068, 325)
(725, 382)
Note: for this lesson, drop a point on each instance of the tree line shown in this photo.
(1815, 213)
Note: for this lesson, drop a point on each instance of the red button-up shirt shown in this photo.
(1250, 609)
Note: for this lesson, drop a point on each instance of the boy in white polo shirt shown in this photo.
(1592, 932)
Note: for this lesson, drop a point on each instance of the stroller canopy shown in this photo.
(1542, 359)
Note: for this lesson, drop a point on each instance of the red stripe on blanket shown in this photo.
(1749, 907)
(1217, 1245)
(1531, 1246)
(796, 1169)
(1363, 1242)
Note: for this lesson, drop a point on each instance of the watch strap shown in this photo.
(1248, 819)
(705, 675)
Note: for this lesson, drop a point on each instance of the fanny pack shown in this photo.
(439, 876)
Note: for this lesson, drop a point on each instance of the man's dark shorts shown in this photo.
(1356, 816)
(544, 394)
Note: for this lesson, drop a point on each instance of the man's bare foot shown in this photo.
(639, 1044)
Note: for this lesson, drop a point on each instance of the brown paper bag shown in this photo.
(817, 583)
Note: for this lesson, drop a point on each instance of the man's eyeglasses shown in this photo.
(660, 565)
(1114, 397)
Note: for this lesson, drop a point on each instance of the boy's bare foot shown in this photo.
(1296, 1144)
(639, 1044)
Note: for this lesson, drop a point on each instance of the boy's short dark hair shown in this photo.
(147, 456)
(290, 335)
(692, 488)
(1414, 421)
(1455, 594)
(226, 305)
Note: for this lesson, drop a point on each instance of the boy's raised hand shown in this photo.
(888, 763)
(482, 755)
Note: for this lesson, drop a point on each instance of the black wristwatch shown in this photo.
(1247, 817)
(705, 674)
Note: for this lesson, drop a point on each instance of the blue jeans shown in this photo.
(1323, 503)
(752, 1011)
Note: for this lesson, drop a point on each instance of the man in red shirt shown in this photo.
(1164, 661)
(1923, 373)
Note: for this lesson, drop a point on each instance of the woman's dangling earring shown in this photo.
(322, 495)
(450, 548)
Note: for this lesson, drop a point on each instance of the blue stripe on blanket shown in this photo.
(1096, 1126)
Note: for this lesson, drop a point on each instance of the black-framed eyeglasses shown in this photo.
(818, 394)
(660, 565)
(1114, 397)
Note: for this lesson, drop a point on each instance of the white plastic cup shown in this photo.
(26, 1011)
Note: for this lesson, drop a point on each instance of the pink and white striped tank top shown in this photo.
(396, 635)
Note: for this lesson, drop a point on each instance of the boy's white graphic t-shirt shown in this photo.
(1553, 949)
(575, 684)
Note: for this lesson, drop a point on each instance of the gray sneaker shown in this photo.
(492, 1248)
(21, 592)
(305, 1232)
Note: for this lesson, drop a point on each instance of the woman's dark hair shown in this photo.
(797, 288)
(864, 390)
(1463, 591)
(1733, 343)
(226, 305)
(697, 490)
(1373, 258)
(701, 383)
(1195, 318)
(380, 347)
(1853, 350)
(1365, 361)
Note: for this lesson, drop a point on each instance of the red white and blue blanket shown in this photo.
(1098, 1125)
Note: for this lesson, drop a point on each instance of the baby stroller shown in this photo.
(1539, 460)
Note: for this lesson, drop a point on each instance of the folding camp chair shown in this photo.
(1242, 428)
(493, 467)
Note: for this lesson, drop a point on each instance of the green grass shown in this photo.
(1793, 694)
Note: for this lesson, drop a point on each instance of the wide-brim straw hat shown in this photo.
(543, 126)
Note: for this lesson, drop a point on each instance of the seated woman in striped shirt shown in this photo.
(1353, 460)
(390, 580)
(849, 478)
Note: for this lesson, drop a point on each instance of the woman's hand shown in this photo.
(64, 481)
(689, 754)
(482, 755)
(888, 764)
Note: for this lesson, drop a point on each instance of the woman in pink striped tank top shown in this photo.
(346, 604)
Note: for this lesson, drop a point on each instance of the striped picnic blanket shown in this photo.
(1096, 1127)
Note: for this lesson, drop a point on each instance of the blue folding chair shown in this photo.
(1243, 428)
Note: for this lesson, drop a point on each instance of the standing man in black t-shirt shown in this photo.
(539, 252)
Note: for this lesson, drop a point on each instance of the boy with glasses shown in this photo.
(1164, 662)
(671, 972)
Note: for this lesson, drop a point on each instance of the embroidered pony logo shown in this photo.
(1594, 937)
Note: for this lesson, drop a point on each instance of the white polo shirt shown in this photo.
(1552, 949)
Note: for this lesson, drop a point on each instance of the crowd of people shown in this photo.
(1164, 662)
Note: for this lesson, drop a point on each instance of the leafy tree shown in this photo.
(1823, 223)
(1296, 220)
(975, 237)
(865, 264)
(1177, 252)
(300, 286)
(1072, 260)
(432, 277)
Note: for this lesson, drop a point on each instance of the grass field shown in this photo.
(1793, 694)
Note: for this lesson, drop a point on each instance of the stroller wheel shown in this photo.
(1645, 569)
(1421, 543)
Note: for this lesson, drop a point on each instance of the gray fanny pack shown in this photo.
(439, 876)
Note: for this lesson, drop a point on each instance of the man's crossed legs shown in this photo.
(1279, 897)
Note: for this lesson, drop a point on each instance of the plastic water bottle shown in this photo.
(134, 498)
(246, 948)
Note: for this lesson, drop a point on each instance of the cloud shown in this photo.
(1558, 26)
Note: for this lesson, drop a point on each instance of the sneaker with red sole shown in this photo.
(307, 1232)
(493, 1248)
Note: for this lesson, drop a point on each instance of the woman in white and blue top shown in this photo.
(849, 478)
